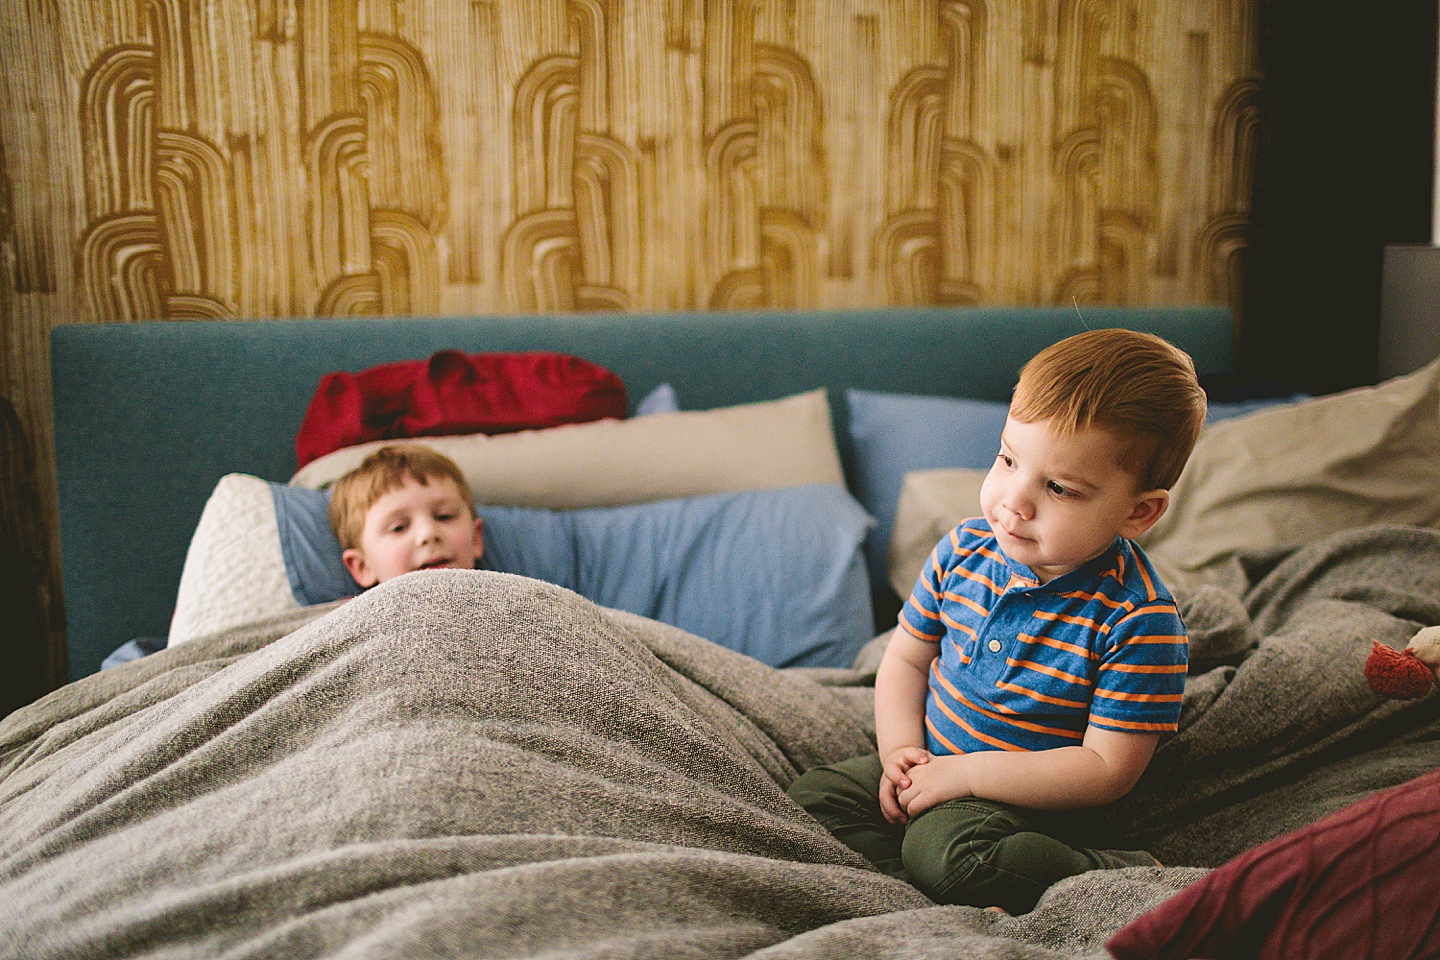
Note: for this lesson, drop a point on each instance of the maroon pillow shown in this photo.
(1362, 882)
(454, 393)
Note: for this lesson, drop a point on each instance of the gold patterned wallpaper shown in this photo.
(196, 159)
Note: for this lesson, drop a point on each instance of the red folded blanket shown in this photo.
(1358, 883)
(456, 393)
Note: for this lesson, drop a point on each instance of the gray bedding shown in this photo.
(476, 765)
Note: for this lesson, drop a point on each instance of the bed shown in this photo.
(490, 764)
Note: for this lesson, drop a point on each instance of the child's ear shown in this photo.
(1149, 507)
(479, 541)
(359, 569)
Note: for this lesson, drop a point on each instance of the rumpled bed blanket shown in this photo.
(471, 764)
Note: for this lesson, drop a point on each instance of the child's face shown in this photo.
(1056, 502)
(416, 526)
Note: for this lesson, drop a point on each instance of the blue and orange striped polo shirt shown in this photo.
(1027, 666)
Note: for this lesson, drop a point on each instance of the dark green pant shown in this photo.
(970, 851)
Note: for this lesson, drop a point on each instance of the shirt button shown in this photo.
(994, 646)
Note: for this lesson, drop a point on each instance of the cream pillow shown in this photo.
(932, 503)
(1292, 475)
(607, 463)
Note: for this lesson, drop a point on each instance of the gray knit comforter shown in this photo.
(464, 764)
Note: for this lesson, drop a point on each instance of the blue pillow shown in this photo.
(133, 650)
(775, 574)
(1230, 409)
(312, 554)
(662, 399)
(895, 433)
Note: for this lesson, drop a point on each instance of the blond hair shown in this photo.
(1136, 386)
(352, 496)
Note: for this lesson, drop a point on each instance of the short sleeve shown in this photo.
(920, 616)
(1140, 683)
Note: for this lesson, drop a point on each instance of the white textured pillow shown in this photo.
(234, 570)
(607, 463)
(932, 503)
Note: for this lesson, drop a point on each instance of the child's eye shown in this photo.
(1005, 459)
(1056, 489)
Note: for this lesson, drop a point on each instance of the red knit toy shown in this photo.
(1397, 674)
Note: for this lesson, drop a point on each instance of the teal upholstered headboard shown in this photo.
(149, 416)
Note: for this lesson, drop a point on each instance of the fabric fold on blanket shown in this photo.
(1288, 731)
(445, 745)
(471, 764)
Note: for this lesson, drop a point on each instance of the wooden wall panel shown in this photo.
(197, 159)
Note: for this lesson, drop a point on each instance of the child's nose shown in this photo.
(1019, 504)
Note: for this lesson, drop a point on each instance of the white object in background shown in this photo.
(1409, 309)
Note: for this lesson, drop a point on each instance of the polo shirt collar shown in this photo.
(1089, 572)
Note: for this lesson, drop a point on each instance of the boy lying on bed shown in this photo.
(1039, 658)
(404, 508)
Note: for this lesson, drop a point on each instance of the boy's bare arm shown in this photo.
(901, 684)
(1103, 769)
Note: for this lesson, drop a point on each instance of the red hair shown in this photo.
(1138, 387)
(386, 469)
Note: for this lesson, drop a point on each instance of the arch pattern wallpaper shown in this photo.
(201, 159)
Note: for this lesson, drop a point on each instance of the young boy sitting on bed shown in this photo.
(1039, 658)
(404, 508)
